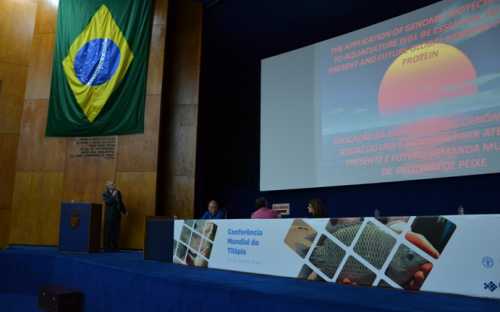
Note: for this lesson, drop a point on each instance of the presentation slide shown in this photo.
(413, 97)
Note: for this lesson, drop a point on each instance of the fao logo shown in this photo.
(488, 262)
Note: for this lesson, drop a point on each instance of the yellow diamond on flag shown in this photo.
(97, 62)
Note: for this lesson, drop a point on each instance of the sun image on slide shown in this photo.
(424, 75)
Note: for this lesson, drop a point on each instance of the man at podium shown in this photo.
(112, 218)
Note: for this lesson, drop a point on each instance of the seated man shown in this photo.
(213, 211)
(262, 211)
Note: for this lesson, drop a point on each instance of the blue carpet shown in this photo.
(125, 282)
(18, 303)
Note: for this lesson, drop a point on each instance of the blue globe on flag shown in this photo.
(97, 61)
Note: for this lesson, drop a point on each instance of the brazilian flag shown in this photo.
(100, 68)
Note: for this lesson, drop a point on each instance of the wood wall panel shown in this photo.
(46, 17)
(85, 177)
(140, 202)
(49, 162)
(13, 78)
(23, 222)
(35, 209)
(183, 151)
(17, 19)
(179, 117)
(11, 107)
(4, 227)
(37, 152)
(156, 54)
(186, 85)
(180, 197)
(139, 152)
(40, 70)
(49, 187)
(8, 147)
(160, 12)
(186, 52)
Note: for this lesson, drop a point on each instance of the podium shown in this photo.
(80, 227)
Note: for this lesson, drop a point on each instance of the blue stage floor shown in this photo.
(16, 302)
(125, 282)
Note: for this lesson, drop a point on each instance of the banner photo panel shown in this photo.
(447, 254)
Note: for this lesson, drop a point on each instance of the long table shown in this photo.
(446, 254)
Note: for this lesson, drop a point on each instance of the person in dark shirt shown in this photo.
(316, 208)
(112, 219)
(213, 212)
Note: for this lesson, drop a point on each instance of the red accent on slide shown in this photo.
(424, 75)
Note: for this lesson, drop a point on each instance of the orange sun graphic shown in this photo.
(426, 74)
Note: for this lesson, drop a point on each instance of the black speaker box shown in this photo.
(60, 299)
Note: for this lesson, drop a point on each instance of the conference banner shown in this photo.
(445, 254)
(100, 68)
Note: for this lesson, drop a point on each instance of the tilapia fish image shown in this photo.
(374, 245)
(404, 265)
(327, 256)
(300, 237)
(356, 273)
(345, 232)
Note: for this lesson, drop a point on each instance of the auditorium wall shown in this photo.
(15, 44)
(47, 171)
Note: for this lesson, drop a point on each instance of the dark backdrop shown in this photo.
(237, 35)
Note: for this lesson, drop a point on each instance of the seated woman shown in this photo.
(316, 209)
